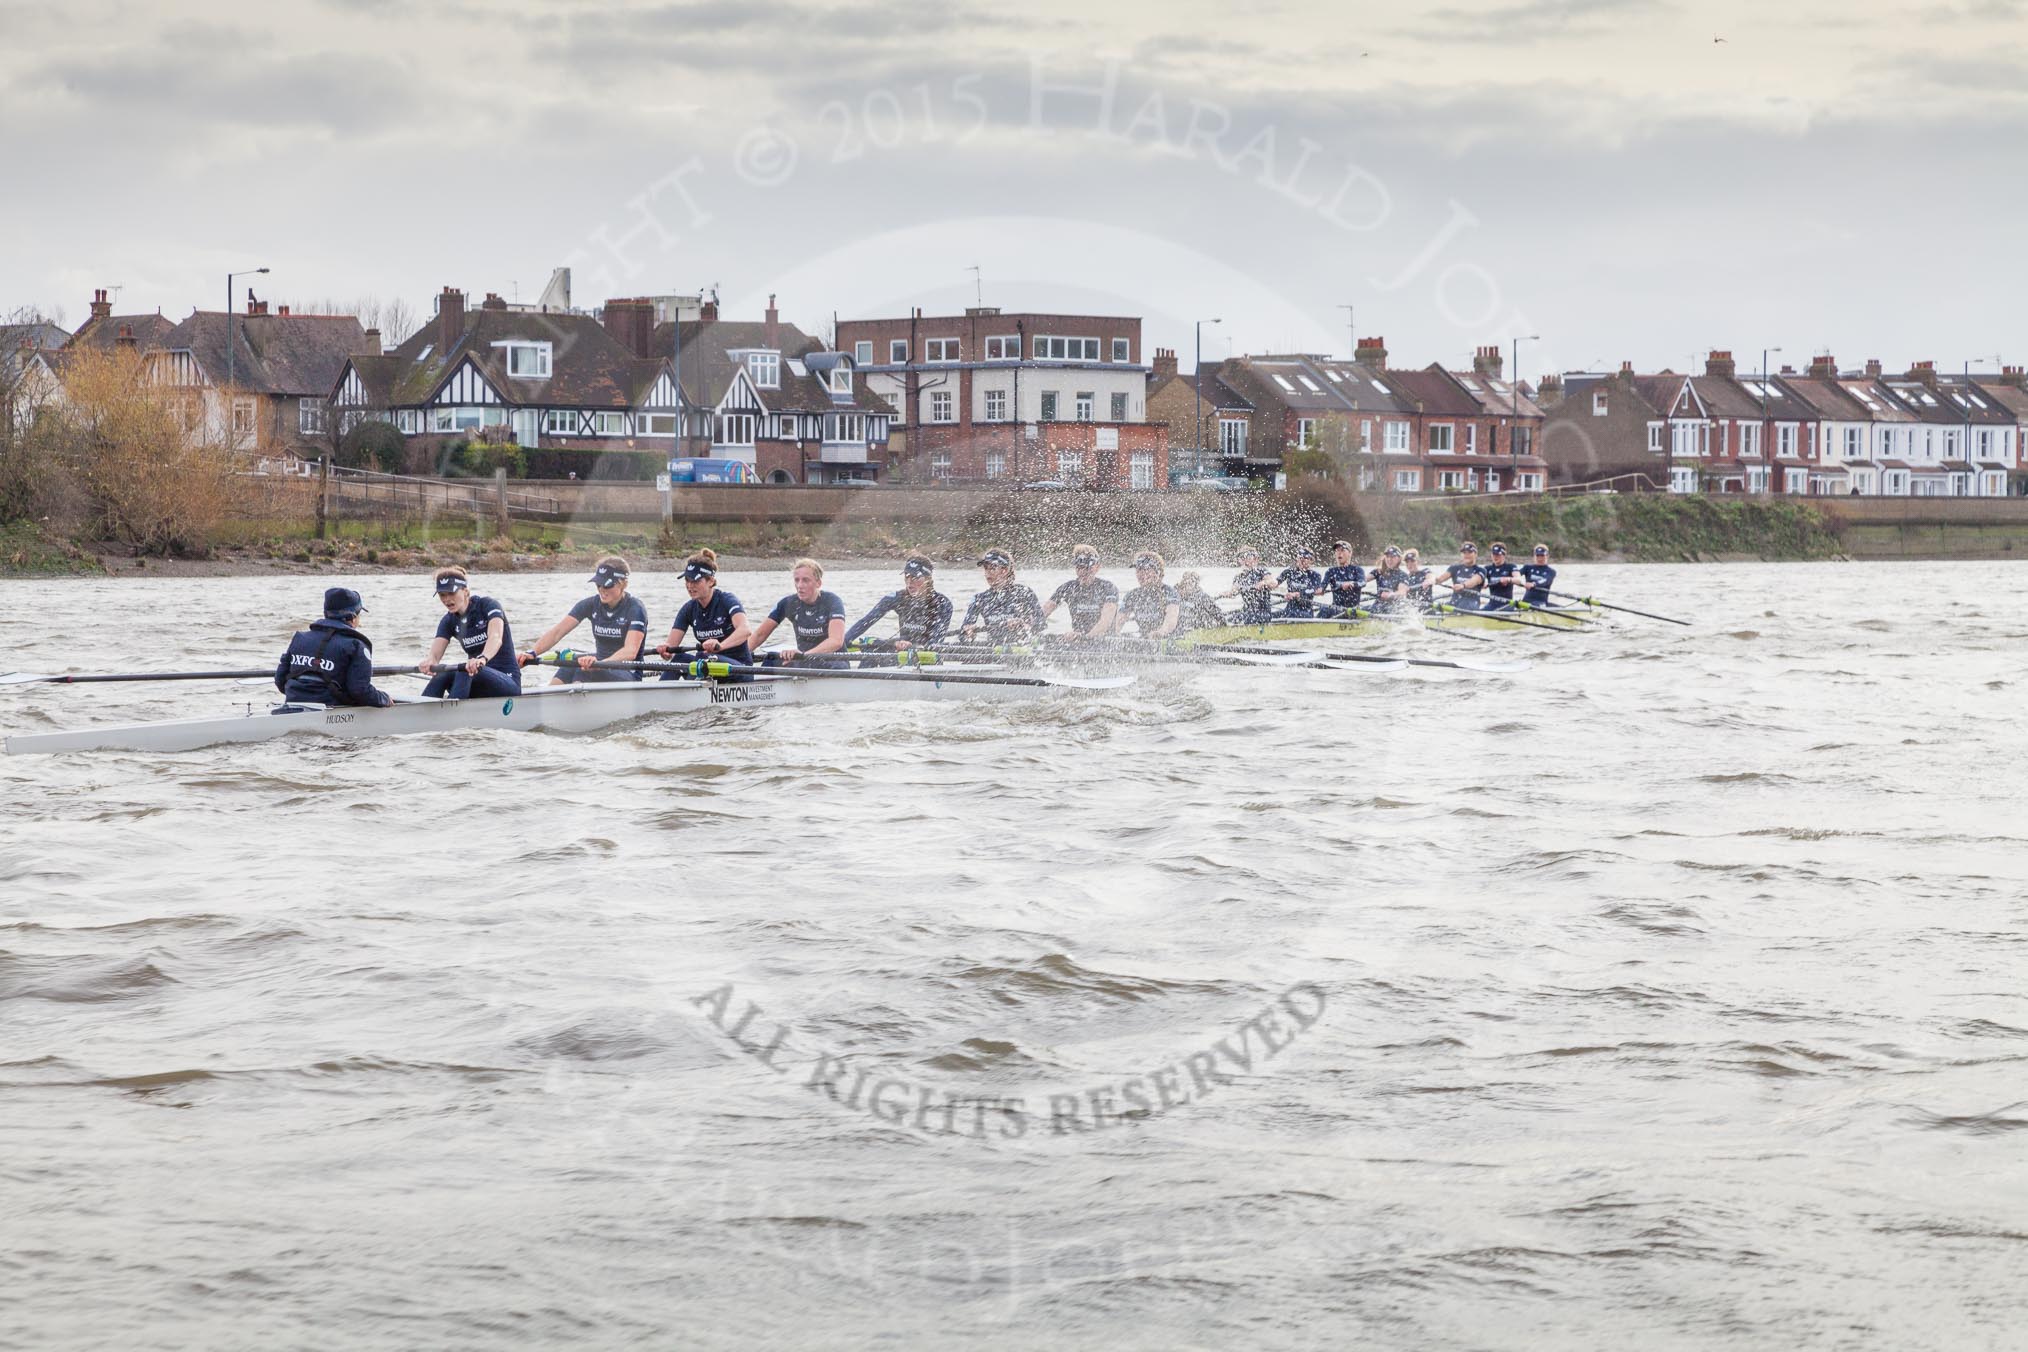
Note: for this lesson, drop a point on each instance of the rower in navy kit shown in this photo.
(1390, 582)
(815, 616)
(1420, 580)
(1255, 592)
(922, 614)
(1344, 579)
(331, 662)
(1200, 608)
(1539, 577)
(1007, 611)
(619, 627)
(1499, 579)
(491, 668)
(1300, 584)
(1094, 603)
(1465, 577)
(713, 616)
(1152, 607)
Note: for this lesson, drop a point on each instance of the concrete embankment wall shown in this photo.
(1210, 525)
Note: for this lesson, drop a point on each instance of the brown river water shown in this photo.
(1668, 994)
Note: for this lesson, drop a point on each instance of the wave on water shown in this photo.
(66, 980)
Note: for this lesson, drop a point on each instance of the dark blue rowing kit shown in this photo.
(1386, 580)
(610, 626)
(922, 619)
(1086, 602)
(811, 620)
(1458, 574)
(499, 677)
(1499, 584)
(1419, 592)
(1256, 595)
(1149, 606)
(1008, 613)
(1305, 583)
(329, 663)
(1344, 581)
(1540, 577)
(714, 619)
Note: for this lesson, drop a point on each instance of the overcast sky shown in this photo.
(1604, 173)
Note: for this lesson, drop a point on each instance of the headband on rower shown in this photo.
(697, 571)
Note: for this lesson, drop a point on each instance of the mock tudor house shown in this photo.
(1199, 404)
(988, 395)
(268, 392)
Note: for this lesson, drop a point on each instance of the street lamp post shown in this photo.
(1197, 384)
(1514, 391)
(232, 352)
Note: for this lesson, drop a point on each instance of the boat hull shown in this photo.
(566, 709)
(1311, 631)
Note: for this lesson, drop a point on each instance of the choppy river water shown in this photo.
(1669, 994)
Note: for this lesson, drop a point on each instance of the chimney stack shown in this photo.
(2014, 375)
(708, 312)
(1626, 368)
(1486, 362)
(772, 326)
(631, 322)
(1873, 368)
(1719, 365)
(1165, 361)
(492, 302)
(126, 339)
(1824, 367)
(373, 342)
(101, 307)
(285, 312)
(1550, 394)
(1371, 352)
(450, 318)
(1924, 371)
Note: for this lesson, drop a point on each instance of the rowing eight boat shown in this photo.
(570, 709)
(1312, 630)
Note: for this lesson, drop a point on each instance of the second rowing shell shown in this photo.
(1314, 630)
(567, 709)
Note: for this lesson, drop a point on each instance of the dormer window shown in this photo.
(841, 379)
(765, 368)
(527, 361)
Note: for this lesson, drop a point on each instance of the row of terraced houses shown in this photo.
(989, 396)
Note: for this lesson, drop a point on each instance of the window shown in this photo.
(1066, 349)
(1522, 441)
(242, 417)
(1450, 479)
(1683, 479)
(1442, 437)
(1085, 401)
(1471, 438)
(1528, 482)
(659, 424)
(733, 429)
(1049, 406)
(615, 425)
(1655, 438)
(560, 422)
(785, 426)
(897, 352)
(1070, 466)
(1120, 350)
(846, 428)
(940, 465)
(1119, 408)
(409, 421)
(527, 361)
(310, 416)
(996, 406)
(1397, 439)
(765, 368)
(1598, 404)
(862, 353)
(841, 379)
(1312, 386)
(1005, 347)
(940, 349)
(996, 464)
(454, 419)
(1407, 480)
(1985, 442)
(940, 407)
(1785, 439)
(1232, 438)
(1141, 471)
(1283, 381)
(1306, 431)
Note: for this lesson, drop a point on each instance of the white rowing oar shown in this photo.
(713, 670)
(1463, 664)
(1607, 605)
(76, 678)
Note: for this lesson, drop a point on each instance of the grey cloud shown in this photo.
(1529, 20)
(338, 92)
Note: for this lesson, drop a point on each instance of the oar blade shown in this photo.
(25, 678)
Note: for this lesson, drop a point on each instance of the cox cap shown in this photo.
(342, 603)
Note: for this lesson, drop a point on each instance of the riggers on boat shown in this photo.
(569, 709)
(1366, 626)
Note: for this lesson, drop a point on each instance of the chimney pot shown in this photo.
(772, 327)
(1873, 367)
(1165, 361)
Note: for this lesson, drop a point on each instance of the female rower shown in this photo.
(1499, 580)
(619, 627)
(921, 612)
(1200, 608)
(1419, 579)
(1300, 585)
(1465, 577)
(1539, 578)
(479, 625)
(1390, 581)
(712, 615)
(1094, 602)
(1153, 607)
(1007, 611)
(1345, 579)
(1250, 584)
(816, 616)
